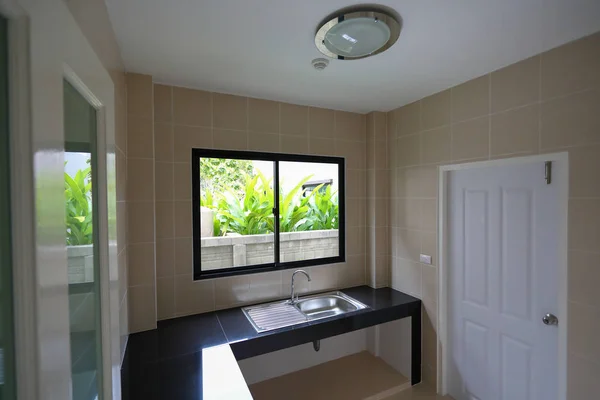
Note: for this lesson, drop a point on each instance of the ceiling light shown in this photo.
(357, 34)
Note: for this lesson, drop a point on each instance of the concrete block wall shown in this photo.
(237, 250)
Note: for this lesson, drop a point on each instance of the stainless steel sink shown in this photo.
(266, 317)
(327, 305)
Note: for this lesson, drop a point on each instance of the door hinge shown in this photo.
(548, 172)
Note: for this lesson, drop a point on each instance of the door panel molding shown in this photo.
(561, 175)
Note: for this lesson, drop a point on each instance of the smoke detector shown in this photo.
(320, 63)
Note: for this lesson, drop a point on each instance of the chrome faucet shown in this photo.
(294, 299)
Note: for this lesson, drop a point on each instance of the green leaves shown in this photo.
(78, 203)
(252, 212)
(323, 210)
(221, 174)
(292, 207)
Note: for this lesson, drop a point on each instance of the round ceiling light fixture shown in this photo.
(357, 33)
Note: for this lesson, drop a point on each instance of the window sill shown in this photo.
(256, 269)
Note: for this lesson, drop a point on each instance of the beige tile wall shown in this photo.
(378, 226)
(92, 19)
(121, 182)
(547, 103)
(165, 123)
(140, 205)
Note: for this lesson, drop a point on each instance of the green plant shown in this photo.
(250, 215)
(293, 207)
(78, 198)
(323, 210)
(252, 212)
(221, 174)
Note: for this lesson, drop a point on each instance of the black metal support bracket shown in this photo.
(415, 328)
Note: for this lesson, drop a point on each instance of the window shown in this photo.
(258, 212)
(82, 236)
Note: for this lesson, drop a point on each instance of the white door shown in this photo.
(503, 240)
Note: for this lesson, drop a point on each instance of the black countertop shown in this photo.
(176, 360)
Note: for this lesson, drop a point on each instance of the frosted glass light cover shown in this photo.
(357, 37)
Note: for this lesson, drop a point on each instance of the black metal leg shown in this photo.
(415, 328)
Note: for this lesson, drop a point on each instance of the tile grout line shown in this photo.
(420, 131)
(212, 119)
(489, 154)
(451, 125)
(154, 202)
(308, 128)
(247, 123)
(173, 194)
(221, 325)
(539, 149)
(335, 142)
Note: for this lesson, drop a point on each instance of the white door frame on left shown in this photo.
(44, 38)
(561, 176)
(22, 202)
(102, 245)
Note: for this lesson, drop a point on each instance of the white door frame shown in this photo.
(102, 245)
(29, 373)
(22, 194)
(562, 177)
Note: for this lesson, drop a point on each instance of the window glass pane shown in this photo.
(236, 213)
(309, 210)
(81, 219)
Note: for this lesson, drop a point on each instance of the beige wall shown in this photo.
(164, 124)
(547, 103)
(92, 19)
(377, 207)
(121, 178)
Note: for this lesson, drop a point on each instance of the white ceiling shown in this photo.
(263, 48)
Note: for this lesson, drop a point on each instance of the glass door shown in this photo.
(81, 202)
(7, 367)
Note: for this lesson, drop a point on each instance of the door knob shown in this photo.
(550, 319)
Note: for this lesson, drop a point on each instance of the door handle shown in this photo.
(550, 319)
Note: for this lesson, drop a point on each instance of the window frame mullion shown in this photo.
(276, 225)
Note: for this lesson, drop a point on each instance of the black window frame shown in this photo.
(276, 158)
